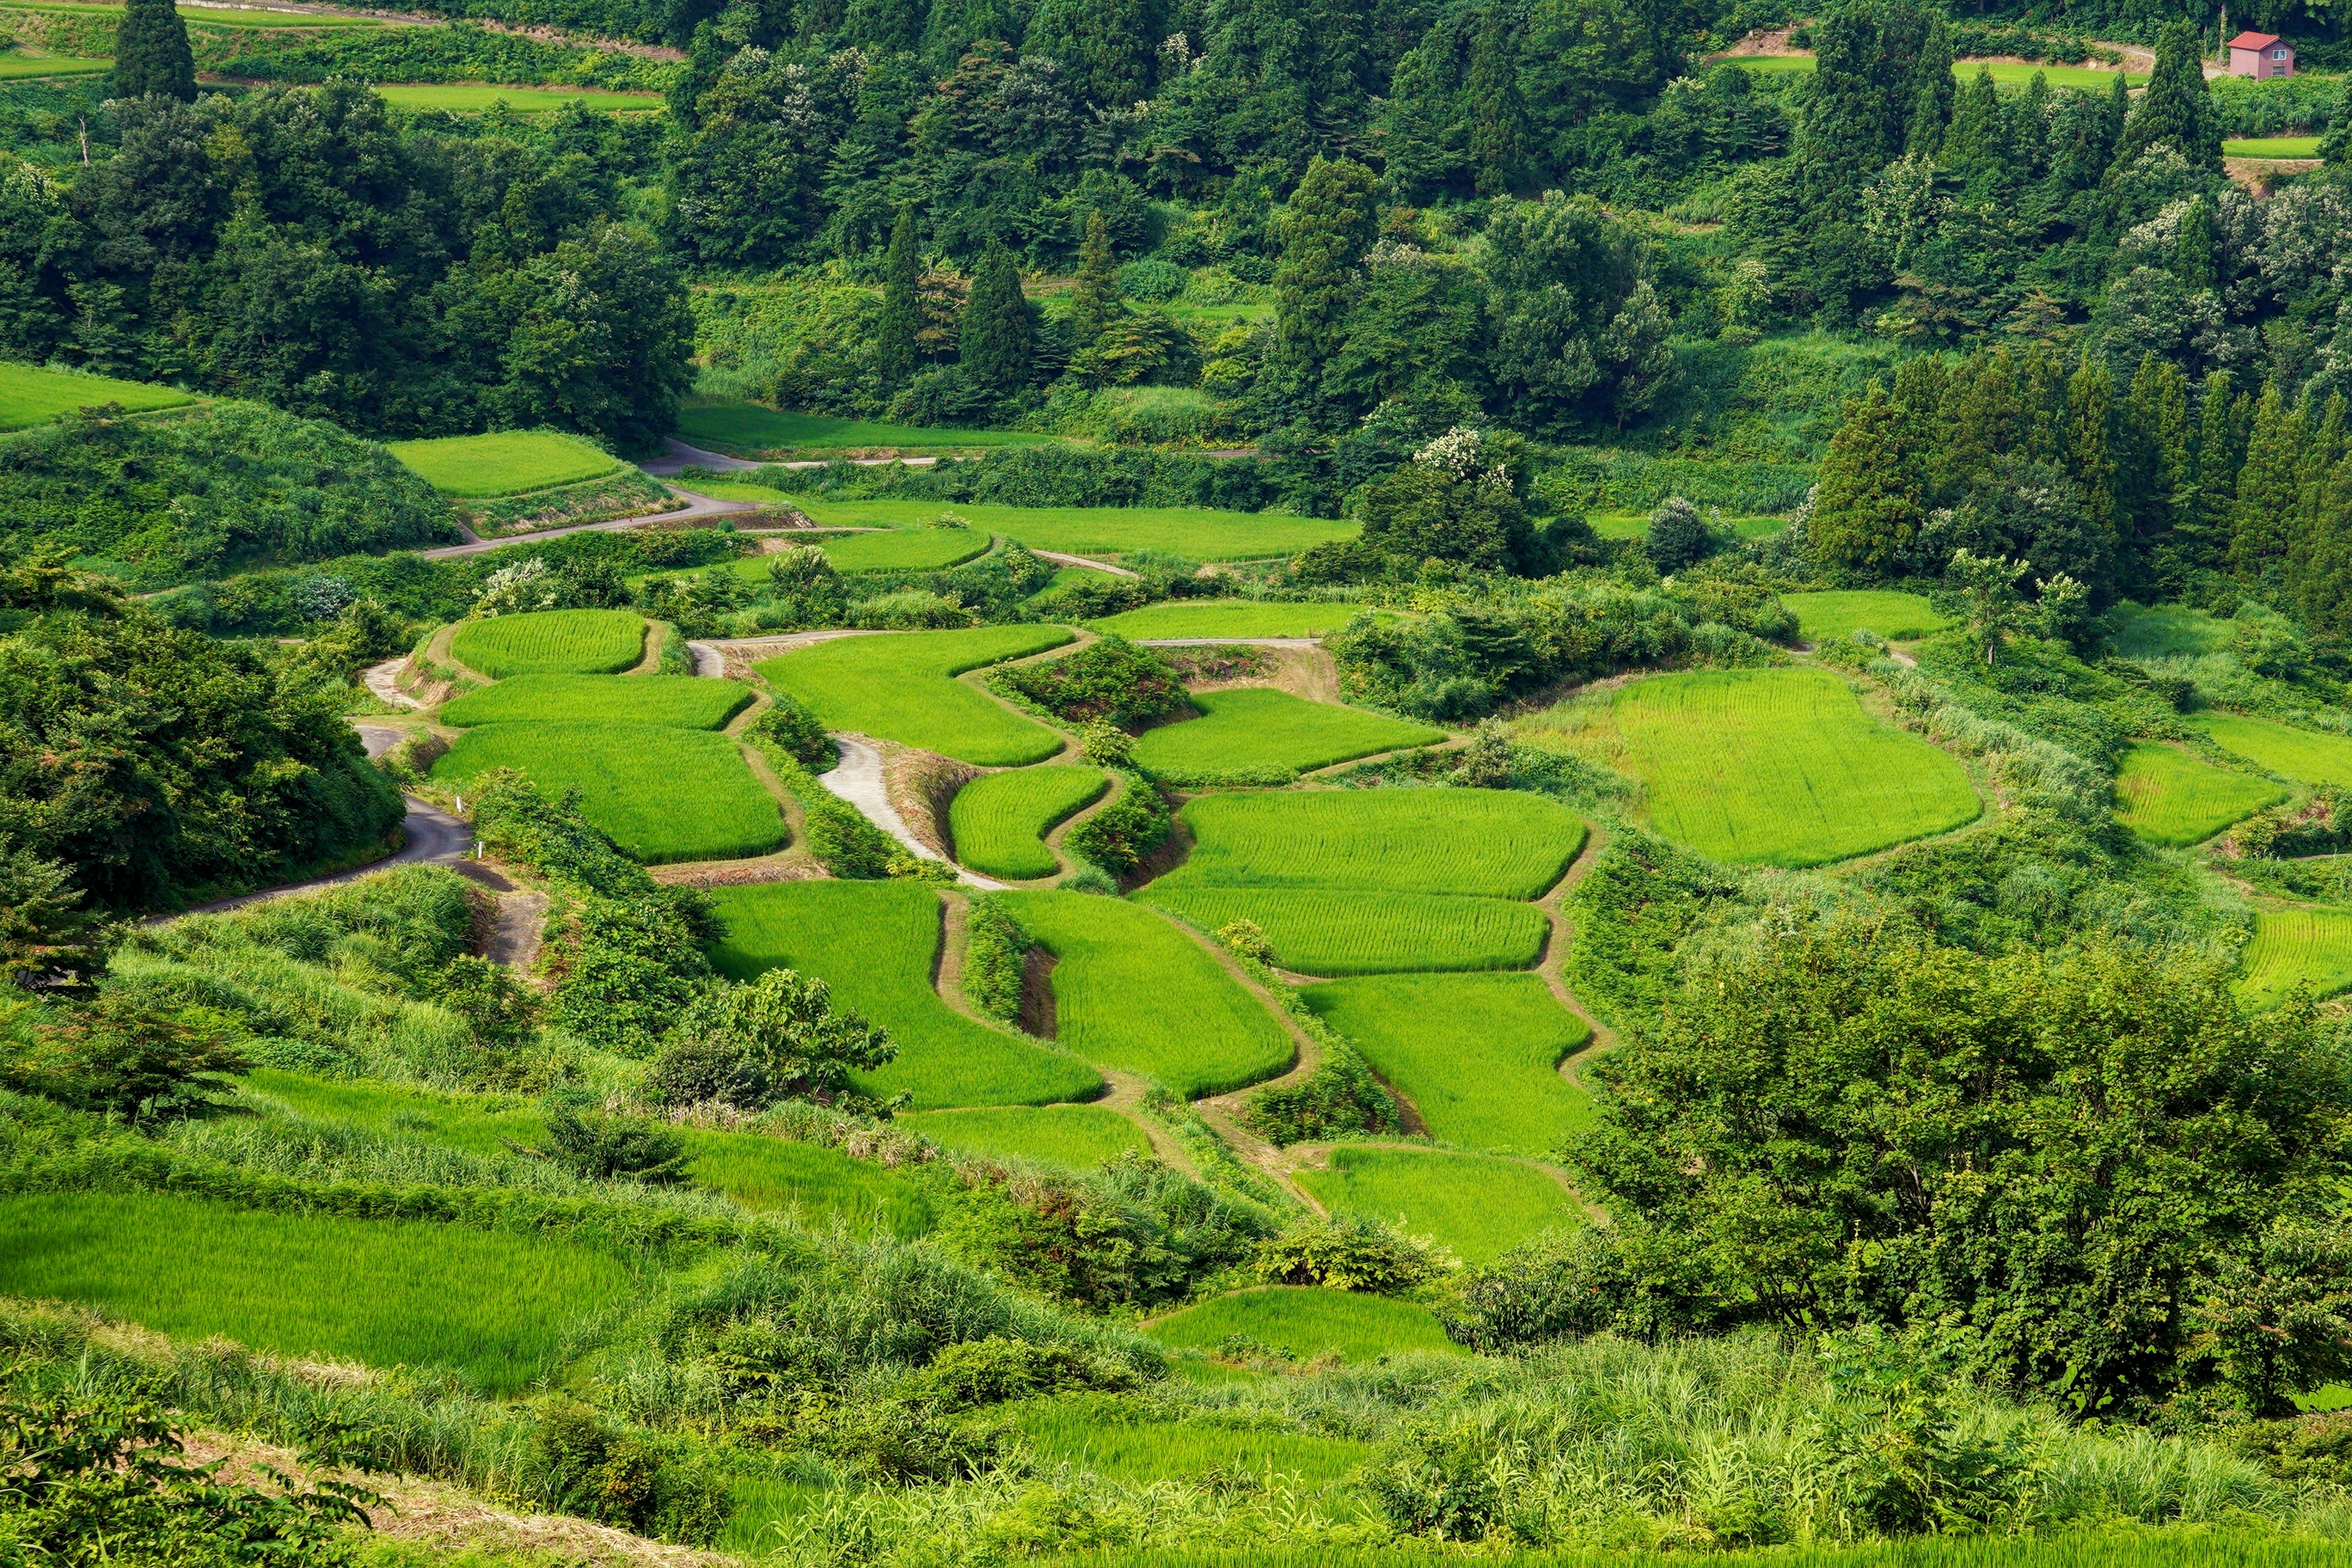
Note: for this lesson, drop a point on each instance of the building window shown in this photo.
(2278, 53)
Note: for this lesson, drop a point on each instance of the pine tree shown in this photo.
(895, 352)
(2029, 130)
(1326, 231)
(1977, 146)
(998, 335)
(1499, 114)
(1093, 300)
(2089, 453)
(1931, 99)
(2268, 491)
(2308, 566)
(2176, 109)
(2154, 460)
(152, 57)
(1868, 506)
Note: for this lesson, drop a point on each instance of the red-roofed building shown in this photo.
(2261, 56)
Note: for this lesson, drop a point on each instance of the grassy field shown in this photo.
(493, 1306)
(1307, 1322)
(876, 944)
(1342, 931)
(1254, 732)
(1478, 1055)
(30, 395)
(475, 97)
(889, 550)
(900, 685)
(1497, 843)
(1090, 1432)
(678, 701)
(1228, 618)
(504, 463)
(2169, 797)
(749, 430)
(2309, 944)
(2005, 73)
(2272, 147)
(1133, 993)
(1080, 1137)
(2169, 631)
(1782, 767)
(1892, 615)
(1194, 532)
(551, 642)
(663, 795)
(1000, 820)
(25, 67)
(1476, 1205)
(2307, 756)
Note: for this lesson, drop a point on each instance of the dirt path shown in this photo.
(1553, 968)
(696, 507)
(678, 457)
(707, 660)
(1059, 559)
(515, 938)
(434, 838)
(858, 780)
(378, 680)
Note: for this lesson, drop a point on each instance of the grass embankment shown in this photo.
(1255, 734)
(2169, 797)
(551, 642)
(31, 395)
(1104, 1436)
(1895, 616)
(673, 701)
(663, 795)
(1476, 1205)
(1080, 1137)
(1308, 1323)
(1228, 618)
(2272, 147)
(875, 944)
(2307, 756)
(901, 686)
(1000, 821)
(505, 462)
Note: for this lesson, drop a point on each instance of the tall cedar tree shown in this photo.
(1932, 107)
(895, 354)
(2176, 109)
(2268, 489)
(999, 337)
(1094, 297)
(152, 57)
(1867, 506)
(1498, 115)
(1327, 231)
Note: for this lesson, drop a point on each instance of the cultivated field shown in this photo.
(1133, 993)
(1892, 615)
(2307, 756)
(676, 700)
(876, 944)
(1344, 930)
(1105, 1435)
(1194, 532)
(900, 685)
(2169, 797)
(1476, 1205)
(1308, 1323)
(999, 821)
(1259, 736)
(495, 1308)
(477, 98)
(504, 463)
(1079, 1137)
(1500, 844)
(551, 642)
(749, 430)
(1228, 618)
(1782, 767)
(30, 395)
(901, 549)
(2005, 73)
(2309, 944)
(23, 67)
(2272, 147)
(1478, 1055)
(663, 795)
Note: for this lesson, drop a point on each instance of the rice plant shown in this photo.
(2307, 756)
(1476, 1206)
(1497, 843)
(662, 794)
(1306, 1321)
(551, 642)
(1255, 734)
(2168, 796)
(1342, 931)
(1000, 820)
(901, 686)
(679, 702)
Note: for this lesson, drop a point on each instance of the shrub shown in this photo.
(595, 1146)
(994, 1369)
(911, 610)
(120, 1058)
(1119, 837)
(1678, 536)
(1104, 743)
(1347, 1255)
(1110, 680)
(996, 955)
(795, 731)
(778, 1037)
(1339, 1097)
(628, 1479)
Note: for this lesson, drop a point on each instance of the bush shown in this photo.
(629, 1478)
(595, 1146)
(795, 731)
(121, 1060)
(1678, 536)
(778, 1037)
(996, 955)
(1338, 1097)
(911, 610)
(1110, 680)
(995, 1370)
(1119, 836)
(1347, 1255)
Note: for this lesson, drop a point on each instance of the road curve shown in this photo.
(857, 779)
(696, 506)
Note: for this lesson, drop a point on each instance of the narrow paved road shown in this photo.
(434, 838)
(858, 780)
(696, 507)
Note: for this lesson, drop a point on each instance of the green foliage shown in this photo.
(795, 731)
(997, 337)
(627, 1478)
(1347, 1255)
(1109, 678)
(1122, 835)
(996, 955)
(128, 1061)
(599, 1147)
(1338, 1097)
(152, 54)
(776, 1036)
(994, 1370)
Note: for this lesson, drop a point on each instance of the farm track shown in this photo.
(696, 506)
(1223, 1111)
(1553, 965)
(514, 938)
(859, 781)
(378, 680)
(678, 457)
(1060, 559)
(438, 651)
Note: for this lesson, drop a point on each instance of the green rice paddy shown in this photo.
(2307, 944)
(1308, 1323)
(749, 430)
(999, 821)
(1194, 532)
(1476, 1205)
(903, 550)
(1080, 1137)
(31, 395)
(2307, 756)
(1896, 617)
(679, 701)
(663, 795)
(551, 642)
(504, 462)
(2005, 73)
(2272, 147)
(1782, 767)
(876, 943)
(1343, 931)
(901, 686)
(1228, 618)
(2169, 797)
(23, 67)
(477, 96)
(1133, 993)
(493, 1306)
(1090, 1432)
(1499, 844)
(1257, 734)
(1478, 1055)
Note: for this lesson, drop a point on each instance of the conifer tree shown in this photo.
(1869, 503)
(2192, 252)
(1977, 146)
(1499, 114)
(998, 335)
(2029, 131)
(1931, 107)
(2201, 532)
(2176, 107)
(1326, 232)
(2090, 407)
(2307, 565)
(2268, 491)
(2154, 456)
(152, 57)
(896, 351)
(1093, 300)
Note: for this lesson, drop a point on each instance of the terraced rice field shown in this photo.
(1000, 821)
(2272, 147)
(2169, 797)
(1497, 843)
(21, 68)
(2307, 756)
(875, 944)
(1307, 1322)
(1080, 1137)
(663, 795)
(31, 395)
(901, 686)
(749, 430)
(505, 462)
(493, 1306)
(676, 701)
(478, 97)
(1338, 930)
(1228, 618)
(1102, 1435)
(904, 549)
(1133, 993)
(551, 642)
(1194, 532)
(2308, 944)
(1476, 1205)
(1255, 734)
(1782, 767)
(1478, 1055)
(1896, 617)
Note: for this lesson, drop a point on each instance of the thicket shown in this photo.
(1111, 680)
(459, 52)
(995, 959)
(1119, 837)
